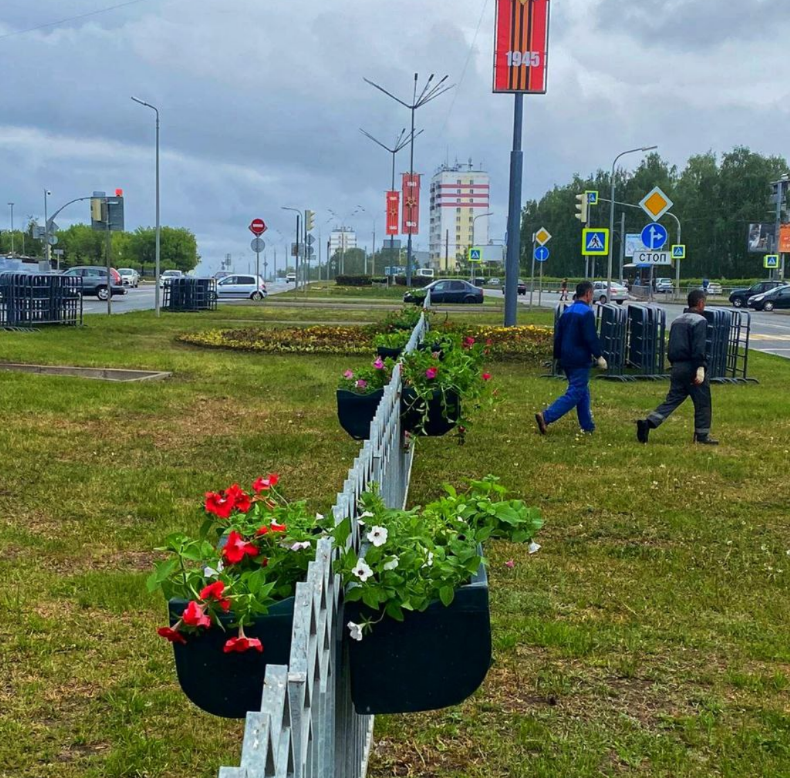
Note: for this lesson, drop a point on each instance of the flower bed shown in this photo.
(528, 343)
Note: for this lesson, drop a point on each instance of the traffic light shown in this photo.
(309, 220)
(582, 208)
(96, 210)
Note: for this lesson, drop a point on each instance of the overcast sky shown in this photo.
(262, 101)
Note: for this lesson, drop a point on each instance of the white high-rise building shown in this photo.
(342, 238)
(459, 193)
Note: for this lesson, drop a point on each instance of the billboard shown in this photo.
(521, 46)
(762, 238)
(633, 243)
(411, 204)
(393, 212)
(784, 239)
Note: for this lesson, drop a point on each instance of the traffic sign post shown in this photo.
(541, 254)
(679, 251)
(654, 237)
(648, 257)
(542, 236)
(475, 256)
(595, 242)
(771, 262)
(258, 226)
(655, 204)
(592, 197)
(257, 245)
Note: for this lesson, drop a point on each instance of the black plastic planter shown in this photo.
(440, 420)
(356, 411)
(388, 353)
(432, 660)
(230, 685)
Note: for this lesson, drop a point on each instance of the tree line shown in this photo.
(715, 199)
(83, 245)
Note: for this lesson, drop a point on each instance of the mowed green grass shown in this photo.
(648, 637)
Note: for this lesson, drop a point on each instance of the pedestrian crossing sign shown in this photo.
(679, 251)
(595, 242)
(475, 255)
(592, 197)
(771, 262)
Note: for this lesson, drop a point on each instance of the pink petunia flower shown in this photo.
(431, 373)
(349, 374)
(361, 384)
(379, 364)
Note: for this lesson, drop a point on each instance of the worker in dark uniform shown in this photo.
(576, 344)
(689, 374)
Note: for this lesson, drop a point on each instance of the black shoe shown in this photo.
(541, 422)
(705, 440)
(642, 430)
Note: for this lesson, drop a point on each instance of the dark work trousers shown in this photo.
(682, 386)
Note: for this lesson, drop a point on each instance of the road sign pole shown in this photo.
(540, 288)
(514, 215)
(532, 279)
(257, 267)
(622, 246)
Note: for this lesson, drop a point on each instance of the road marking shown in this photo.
(765, 336)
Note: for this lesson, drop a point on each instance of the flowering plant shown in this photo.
(397, 339)
(368, 379)
(411, 558)
(407, 318)
(252, 550)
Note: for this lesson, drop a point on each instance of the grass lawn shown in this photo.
(650, 636)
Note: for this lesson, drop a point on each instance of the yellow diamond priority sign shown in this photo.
(656, 204)
(542, 236)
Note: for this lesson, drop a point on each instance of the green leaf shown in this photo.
(446, 595)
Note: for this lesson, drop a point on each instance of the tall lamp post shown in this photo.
(641, 150)
(47, 247)
(373, 252)
(298, 242)
(474, 224)
(158, 227)
(429, 92)
(11, 206)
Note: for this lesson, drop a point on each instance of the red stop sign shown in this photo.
(258, 226)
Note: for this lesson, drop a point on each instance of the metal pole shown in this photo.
(677, 261)
(540, 288)
(622, 245)
(46, 228)
(12, 228)
(779, 192)
(514, 215)
(532, 279)
(257, 267)
(411, 181)
(298, 238)
(158, 259)
(108, 246)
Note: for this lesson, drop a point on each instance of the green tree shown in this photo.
(178, 248)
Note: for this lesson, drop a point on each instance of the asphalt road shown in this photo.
(770, 331)
(142, 299)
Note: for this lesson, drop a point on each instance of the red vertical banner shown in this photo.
(521, 46)
(393, 213)
(411, 204)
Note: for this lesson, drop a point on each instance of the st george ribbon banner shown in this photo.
(411, 204)
(521, 48)
(393, 212)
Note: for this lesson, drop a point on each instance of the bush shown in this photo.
(354, 281)
(416, 281)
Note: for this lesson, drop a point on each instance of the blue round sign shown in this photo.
(654, 237)
(541, 254)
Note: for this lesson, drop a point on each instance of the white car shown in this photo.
(129, 277)
(241, 287)
(601, 292)
(290, 278)
(168, 275)
(665, 285)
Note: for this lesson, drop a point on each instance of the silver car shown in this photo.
(241, 287)
(129, 277)
(601, 292)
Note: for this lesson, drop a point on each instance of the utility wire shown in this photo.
(466, 66)
(70, 19)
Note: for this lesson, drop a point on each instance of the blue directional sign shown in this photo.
(541, 254)
(654, 237)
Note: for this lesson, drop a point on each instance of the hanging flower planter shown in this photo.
(231, 684)
(435, 417)
(356, 411)
(433, 659)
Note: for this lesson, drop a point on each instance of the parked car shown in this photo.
(522, 287)
(714, 288)
(425, 272)
(129, 277)
(664, 286)
(447, 291)
(601, 292)
(494, 282)
(779, 297)
(290, 278)
(740, 297)
(94, 280)
(167, 275)
(241, 287)
(220, 274)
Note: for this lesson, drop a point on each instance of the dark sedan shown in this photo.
(446, 291)
(521, 288)
(740, 297)
(778, 298)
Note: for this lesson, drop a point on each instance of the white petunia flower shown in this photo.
(362, 571)
(355, 630)
(533, 547)
(429, 562)
(319, 517)
(305, 544)
(378, 536)
(210, 572)
(392, 564)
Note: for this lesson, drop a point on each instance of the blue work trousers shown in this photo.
(578, 397)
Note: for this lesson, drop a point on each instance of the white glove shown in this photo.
(602, 363)
(700, 377)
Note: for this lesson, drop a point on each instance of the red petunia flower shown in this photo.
(264, 530)
(241, 500)
(242, 644)
(194, 615)
(214, 592)
(431, 373)
(219, 503)
(275, 527)
(486, 376)
(469, 342)
(173, 635)
(264, 484)
(237, 548)
(489, 342)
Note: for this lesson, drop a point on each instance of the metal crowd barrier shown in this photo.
(612, 332)
(190, 294)
(307, 727)
(647, 327)
(727, 344)
(556, 370)
(28, 299)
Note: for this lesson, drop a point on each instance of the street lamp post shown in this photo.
(474, 242)
(11, 205)
(642, 150)
(298, 242)
(427, 94)
(47, 193)
(157, 302)
(373, 252)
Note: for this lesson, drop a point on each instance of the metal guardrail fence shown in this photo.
(307, 727)
(647, 328)
(728, 337)
(612, 331)
(28, 299)
(190, 294)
